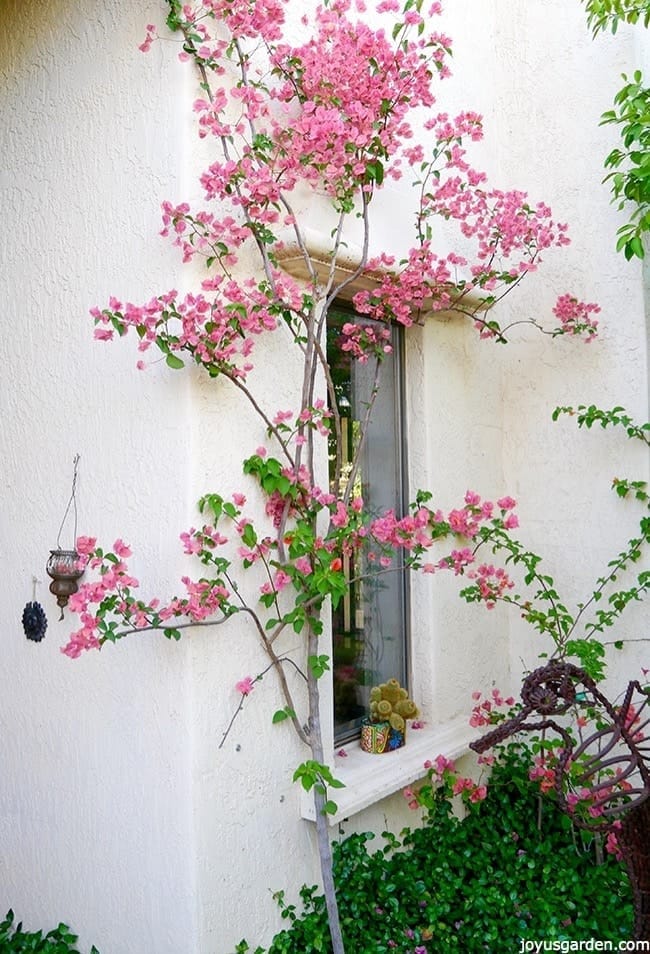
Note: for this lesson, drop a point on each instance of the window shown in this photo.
(369, 627)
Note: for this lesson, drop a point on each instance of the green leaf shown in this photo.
(174, 362)
(318, 665)
(249, 537)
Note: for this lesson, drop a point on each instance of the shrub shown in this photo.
(514, 868)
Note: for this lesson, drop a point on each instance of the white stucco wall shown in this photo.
(95, 757)
(118, 811)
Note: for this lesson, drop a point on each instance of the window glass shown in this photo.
(369, 625)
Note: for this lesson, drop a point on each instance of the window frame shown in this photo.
(350, 730)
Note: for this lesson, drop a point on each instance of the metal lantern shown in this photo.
(64, 569)
(65, 566)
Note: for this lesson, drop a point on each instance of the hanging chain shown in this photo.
(72, 502)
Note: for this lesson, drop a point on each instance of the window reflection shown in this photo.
(369, 625)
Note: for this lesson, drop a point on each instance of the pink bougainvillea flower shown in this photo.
(303, 565)
(576, 316)
(121, 548)
(245, 685)
(506, 503)
(145, 46)
(86, 545)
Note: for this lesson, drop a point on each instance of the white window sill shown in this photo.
(369, 778)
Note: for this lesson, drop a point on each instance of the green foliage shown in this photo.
(318, 665)
(607, 14)
(468, 886)
(630, 165)
(588, 415)
(60, 940)
(574, 634)
(283, 714)
(314, 775)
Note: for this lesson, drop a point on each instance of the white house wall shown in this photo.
(96, 821)
(119, 813)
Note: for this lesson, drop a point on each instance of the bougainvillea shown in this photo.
(333, 114)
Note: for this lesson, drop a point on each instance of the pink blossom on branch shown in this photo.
(576, 317)
(491, 583)
(151, 35)
(108, 610)
(86, 545)
(245, 685)
(336, 117)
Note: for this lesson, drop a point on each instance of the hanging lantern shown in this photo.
(64, 566)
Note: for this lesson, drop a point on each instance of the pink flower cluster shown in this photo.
(419, 531)
(354, 88)
(491, 582)
(333, 113)
(109, 596)
(485, 711)
(203, 234)
(151, 35)
(423, 280)
(218, 334)
(442, 771)
(338, 106)
(595, 801)
(315, 418)
(364, 341)
(280, 505)
(248, 18)
(576, 316)
(198, 541)
(405, 533)
(245, 685)
(543, 771)
(612, 846)
(633, 724)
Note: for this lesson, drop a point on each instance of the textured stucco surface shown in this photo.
(95, 791)
(118, 811)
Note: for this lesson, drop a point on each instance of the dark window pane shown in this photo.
(369, 625)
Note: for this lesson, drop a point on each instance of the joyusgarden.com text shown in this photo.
(537, 947)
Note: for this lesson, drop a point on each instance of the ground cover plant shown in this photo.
(60, 940)
(514, 868)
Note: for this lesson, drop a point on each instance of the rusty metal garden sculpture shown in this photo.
(607, 773)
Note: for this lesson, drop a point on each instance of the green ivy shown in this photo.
(513, 869)
(13, 940)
